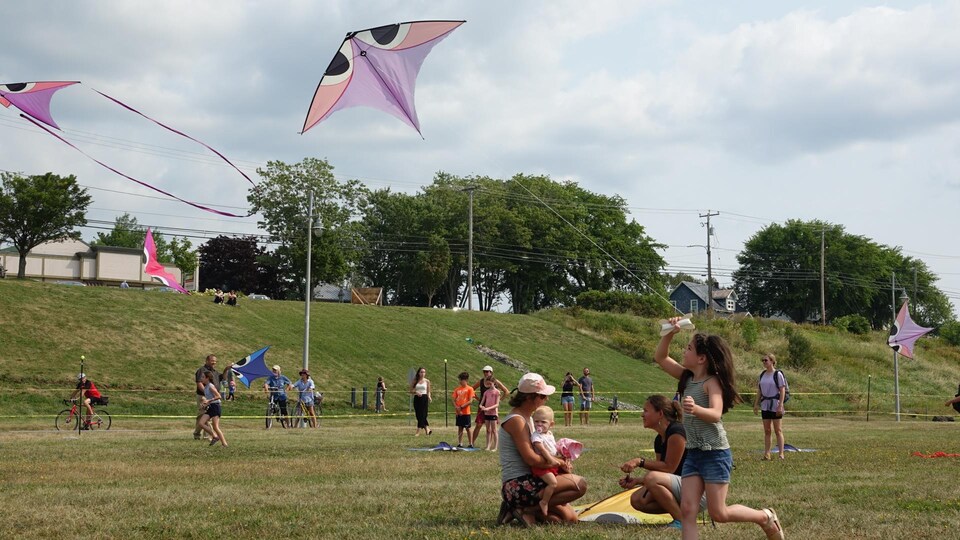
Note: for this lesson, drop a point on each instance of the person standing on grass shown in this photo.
(463, 396)
(480, 389)
(381, 395)
(306, 390)
(707, 391)
(586, 396)
(490, 405)
(211, 414)
(567, 398)
(520, 490)
(771, 393)
(422, 396)
(210, 364)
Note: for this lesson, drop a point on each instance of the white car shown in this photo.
(258, 297)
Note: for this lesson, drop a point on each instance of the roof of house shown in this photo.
(327, 291)
(700, 289)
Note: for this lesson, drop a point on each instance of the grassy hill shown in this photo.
(145, 346)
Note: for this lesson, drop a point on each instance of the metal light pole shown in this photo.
(306, 309)
(469, 190)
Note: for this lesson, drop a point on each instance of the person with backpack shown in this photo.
(955, 401)
(771, 395)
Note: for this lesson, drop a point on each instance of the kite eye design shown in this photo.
(17, 88)
(385, 37)
(341, 67)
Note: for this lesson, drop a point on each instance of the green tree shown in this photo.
(282, 199)
(780, 273)
(40, 208)
(433, 265)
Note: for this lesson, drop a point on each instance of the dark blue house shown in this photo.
(690, 297)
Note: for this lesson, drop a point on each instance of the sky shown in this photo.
(842, 111)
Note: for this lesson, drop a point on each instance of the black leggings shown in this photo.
(420, 404)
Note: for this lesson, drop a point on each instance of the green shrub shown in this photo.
(799, 350)
(855, 324)
(750, 331)
(642, 305)
(950, 332)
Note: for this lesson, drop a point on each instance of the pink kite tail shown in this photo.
(569, 448)
(144, 184)
(182, 134)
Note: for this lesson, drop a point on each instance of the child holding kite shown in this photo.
(549, 448)
(707, 390)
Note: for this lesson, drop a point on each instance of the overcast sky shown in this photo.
(762, 111)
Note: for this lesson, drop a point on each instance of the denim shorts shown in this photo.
(566, 399)
(713, 466)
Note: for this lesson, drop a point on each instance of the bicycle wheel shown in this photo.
(100, 420)
(269, 417)
(297, 420)
(65, 421)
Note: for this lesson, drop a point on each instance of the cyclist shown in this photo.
(89, 395)
(277, 386)
(307, 388)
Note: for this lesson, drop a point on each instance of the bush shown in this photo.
(950, 332)
(855, 324)
(750, 331)
(642, 305)
(799, 350)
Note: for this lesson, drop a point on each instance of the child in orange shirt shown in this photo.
(462, 396)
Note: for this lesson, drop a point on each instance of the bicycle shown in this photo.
(67, 418)
(300, 411)
(273, 412)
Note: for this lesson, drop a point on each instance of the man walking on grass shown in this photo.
(586, 396)
(210, 365)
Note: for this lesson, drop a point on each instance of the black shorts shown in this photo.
(490, 418)
(213, 409)
(98, 401)
(463, 420)
(770, 415)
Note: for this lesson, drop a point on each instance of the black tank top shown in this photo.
(567, 389)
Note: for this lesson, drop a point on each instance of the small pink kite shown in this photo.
(569, 448)
(905, 332)
(154, 269)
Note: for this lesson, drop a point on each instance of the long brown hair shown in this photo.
(719, 364)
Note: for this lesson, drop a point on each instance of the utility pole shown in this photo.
(469, 190)
(823, 288)
(307, 293)
(709, 263)
(196, 274)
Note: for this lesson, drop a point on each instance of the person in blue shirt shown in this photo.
(277, 386)
(307, 392)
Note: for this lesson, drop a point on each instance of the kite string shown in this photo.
(144, 184)
(605, 252)
(182, 134)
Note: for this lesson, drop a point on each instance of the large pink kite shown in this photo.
(378, 68)
(33, 100)
(154, 269)
(905, 332)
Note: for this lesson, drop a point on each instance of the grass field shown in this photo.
(357, 479)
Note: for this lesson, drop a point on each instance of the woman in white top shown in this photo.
(421, 391)
(771, 393)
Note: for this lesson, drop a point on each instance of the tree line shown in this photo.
(537, 243)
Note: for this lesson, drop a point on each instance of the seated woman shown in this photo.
(521, 489)
(661, 484)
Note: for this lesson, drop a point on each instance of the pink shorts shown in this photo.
(480, 418)
(540, 472)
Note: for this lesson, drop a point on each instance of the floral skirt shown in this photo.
(522, 492)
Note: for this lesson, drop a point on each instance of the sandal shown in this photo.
(214, 441)
(504, 516)
(772, 528)
(518, 515)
